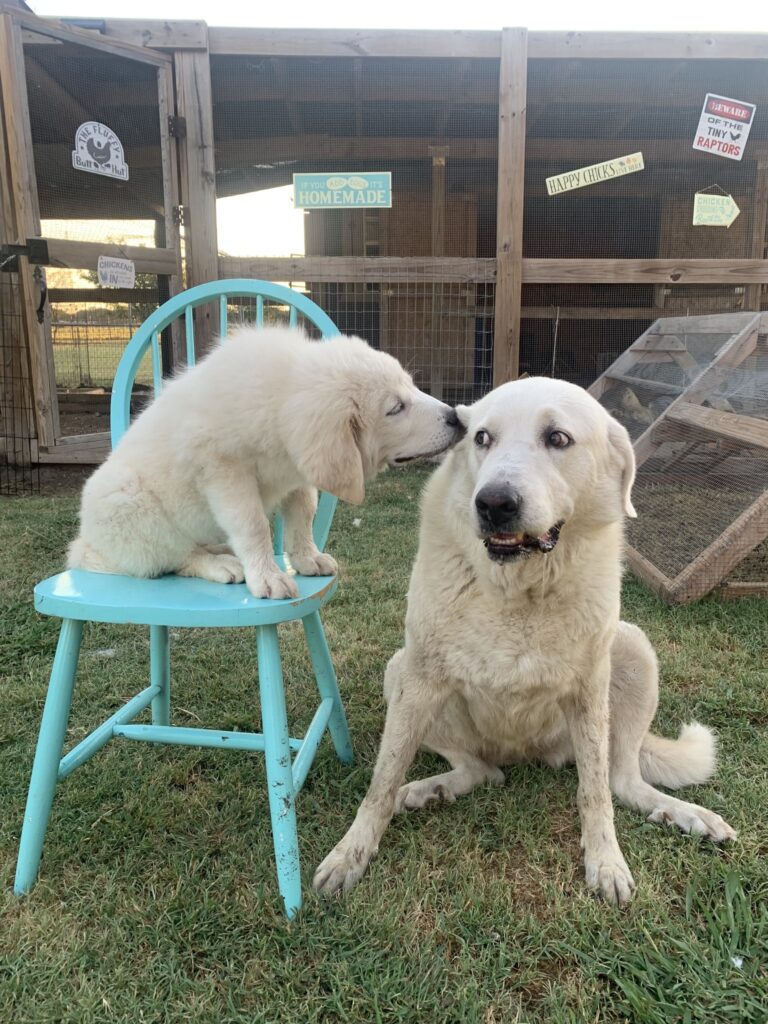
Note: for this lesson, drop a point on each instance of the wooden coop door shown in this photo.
(94, 174)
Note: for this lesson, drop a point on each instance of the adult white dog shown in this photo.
(513, 645)
(259, 424)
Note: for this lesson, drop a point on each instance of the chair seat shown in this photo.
(174, 600)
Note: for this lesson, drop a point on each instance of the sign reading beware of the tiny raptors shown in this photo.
(724, 126)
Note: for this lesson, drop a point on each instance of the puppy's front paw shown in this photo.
(317, 564)
(343, 868)
(610, 877)
(277, 585)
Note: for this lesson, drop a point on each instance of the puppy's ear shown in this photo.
(624, 456)
(324, 444)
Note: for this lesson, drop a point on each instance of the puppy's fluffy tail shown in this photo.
(687, 761)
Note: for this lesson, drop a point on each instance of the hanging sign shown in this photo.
(724, 126)
(115, 272)
(594, 174)
(99, 151)
(714, 211)
(342, 191)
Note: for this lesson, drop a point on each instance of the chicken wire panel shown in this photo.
(431, 123)
(18, 475)
(441, 332)
(70, 86)
(693, 393)
(586, 112)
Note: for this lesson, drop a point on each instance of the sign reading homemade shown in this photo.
(342, 191)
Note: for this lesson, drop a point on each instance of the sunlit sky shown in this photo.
(272, 213)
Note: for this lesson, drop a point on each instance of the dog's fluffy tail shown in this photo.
(687, 761)
(82, 556)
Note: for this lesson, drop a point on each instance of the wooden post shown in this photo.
(23, 188)
(509, 212)
(439, 156)
(198, 181)
(753, 292)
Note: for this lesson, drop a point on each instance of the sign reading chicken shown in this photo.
(99, 151)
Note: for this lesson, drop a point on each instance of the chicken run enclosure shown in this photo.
(585, 205)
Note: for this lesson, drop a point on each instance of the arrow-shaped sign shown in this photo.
(714, 211)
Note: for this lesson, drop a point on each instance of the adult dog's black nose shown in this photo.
(452, 420)
(498, 507)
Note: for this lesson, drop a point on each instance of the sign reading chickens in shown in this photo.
(342, 191)
(99, 151)
(724, 126)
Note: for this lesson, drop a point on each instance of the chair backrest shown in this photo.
(224, 294)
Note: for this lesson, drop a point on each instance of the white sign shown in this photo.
(99, 151)
(714, 211)
(724, 126)
(595, 173)
(116, 273)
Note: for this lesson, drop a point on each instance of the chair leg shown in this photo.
(282, 804)
(327, 685)
(50, 741)
(160, 674)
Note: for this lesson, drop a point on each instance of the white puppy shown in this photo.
(513, 645)
(260, 424)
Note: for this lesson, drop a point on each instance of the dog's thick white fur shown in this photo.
(513, 645)
(260, 424)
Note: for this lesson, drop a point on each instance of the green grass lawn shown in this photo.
(158, 902)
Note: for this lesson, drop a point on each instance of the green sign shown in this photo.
(714, 211)
(342, 191)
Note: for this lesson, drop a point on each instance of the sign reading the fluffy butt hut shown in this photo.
(724, 126)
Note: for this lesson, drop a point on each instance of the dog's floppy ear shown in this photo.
(623, 452)
(323, 441)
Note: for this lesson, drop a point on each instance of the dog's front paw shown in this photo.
(277, 585)
(343, 867)
(317, 564)
(610, 877)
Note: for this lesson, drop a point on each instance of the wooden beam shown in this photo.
(198, 180)
(649, 574)
(384, 269)
(156, 35)
(711, 424)
(509, 209)
(488, 45)
(736, 588)
(279, 42)
(27, 222)
(56, 29)
(753, 294)
(724, 554)
(85, 256)
(439, 156)
(357, 94)
(648, 46)
(589, 271)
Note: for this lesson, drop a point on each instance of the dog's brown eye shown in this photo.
(398, 407)
(558, 439)
(482, 439)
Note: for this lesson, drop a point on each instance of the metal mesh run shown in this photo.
(18, 474)
(693, 393)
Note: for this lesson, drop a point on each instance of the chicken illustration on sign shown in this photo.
(99, 151)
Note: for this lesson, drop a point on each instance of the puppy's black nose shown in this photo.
(498, 506)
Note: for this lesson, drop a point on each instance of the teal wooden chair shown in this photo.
(172, 601)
